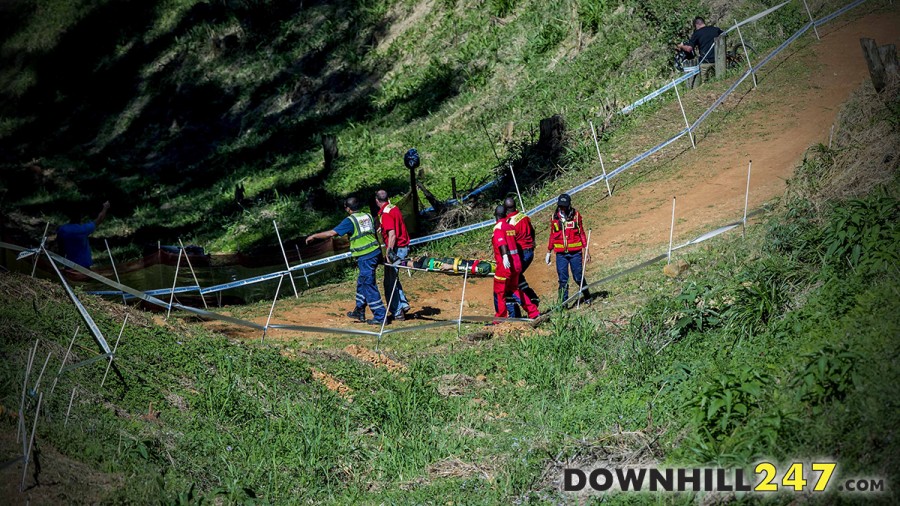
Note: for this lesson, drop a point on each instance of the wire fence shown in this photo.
(150, 296)
(26, 437)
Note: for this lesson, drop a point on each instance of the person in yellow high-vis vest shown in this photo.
(364, 248)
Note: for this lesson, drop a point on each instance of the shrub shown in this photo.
(828, 376)
(764, 291)
(862, 235)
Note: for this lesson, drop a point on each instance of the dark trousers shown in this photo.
(564, 262)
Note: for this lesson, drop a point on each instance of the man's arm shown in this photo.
(391, 240)
(102, 215)
(691, 44)
(321, 235)
(504, 252)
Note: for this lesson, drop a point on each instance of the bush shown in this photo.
(862, 235)
(828, 376)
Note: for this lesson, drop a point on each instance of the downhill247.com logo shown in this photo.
(766, 477)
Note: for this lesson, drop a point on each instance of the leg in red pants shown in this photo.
(500, 294)
(506, 290)
(512, 287)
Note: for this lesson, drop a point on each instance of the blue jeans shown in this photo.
(366, 289)
(565, 261)
(391, 274)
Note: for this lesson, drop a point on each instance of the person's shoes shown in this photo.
(358, 314)
(401, 316)
(373, 321)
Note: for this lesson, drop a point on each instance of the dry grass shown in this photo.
(455, 468)
(866, 146)
(615, 451)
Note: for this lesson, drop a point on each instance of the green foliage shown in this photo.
(863, 235)
(725, 403)
(548, 38)
(829, 375)
(591, 13)
(735, 417)
(502, 8)
(764, 291)
(699, 310)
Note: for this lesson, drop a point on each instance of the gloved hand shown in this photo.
(547, 258)
(506, 262)
(392, 256)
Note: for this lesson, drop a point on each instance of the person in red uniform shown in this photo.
(568, 239)
(524, 243)
(396, 245)
(509, 265)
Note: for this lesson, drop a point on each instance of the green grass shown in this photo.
(776, 346)
(431, 86)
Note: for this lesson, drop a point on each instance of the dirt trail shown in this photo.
(709, 184)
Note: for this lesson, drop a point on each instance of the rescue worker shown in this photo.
(396, 246)
(524, 243)
(568, 239)
(364, 248)
(73, 236)
(509, 265)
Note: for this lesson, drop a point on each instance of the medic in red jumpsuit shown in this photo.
(509, 266)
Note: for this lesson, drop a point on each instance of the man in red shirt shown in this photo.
(524, 242)
(509, 265)
(396, 244)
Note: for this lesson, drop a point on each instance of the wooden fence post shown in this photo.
(873, 60)
(721, 58)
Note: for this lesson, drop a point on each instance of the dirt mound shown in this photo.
(450, 385)
(333, 384)
(376, 359)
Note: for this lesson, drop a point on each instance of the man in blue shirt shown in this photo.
(365, 249)
(73, 236)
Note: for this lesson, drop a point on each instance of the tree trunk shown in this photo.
(873, 59)
(888, 54)
(330, 150)
(553, 135)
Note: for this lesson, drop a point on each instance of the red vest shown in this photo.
(566, 236)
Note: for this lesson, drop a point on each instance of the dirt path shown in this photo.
(709, 181)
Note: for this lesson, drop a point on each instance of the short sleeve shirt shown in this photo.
(74, 240)
(393, 220)
(345, 227)
(702, 41)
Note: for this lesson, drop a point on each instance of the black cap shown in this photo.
(564, 200)
(500, 212)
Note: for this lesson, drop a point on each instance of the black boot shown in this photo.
(358, 314)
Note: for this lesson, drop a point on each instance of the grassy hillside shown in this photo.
(780, 345)
(164, 106)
